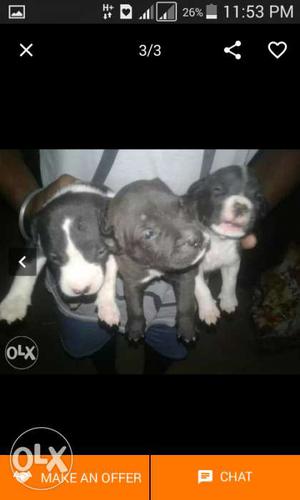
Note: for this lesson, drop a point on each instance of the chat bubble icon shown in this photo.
(205, 476)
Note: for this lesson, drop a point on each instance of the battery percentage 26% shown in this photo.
(192, 12)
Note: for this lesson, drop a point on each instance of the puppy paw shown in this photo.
(209, 312)
(13, 308)
(186, 338)
(186, 331)
(135, 330)
(228, 303)
(109, 313)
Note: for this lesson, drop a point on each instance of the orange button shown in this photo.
(177, 477)
(104, 477)
(225, 477)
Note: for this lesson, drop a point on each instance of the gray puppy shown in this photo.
(157, 235)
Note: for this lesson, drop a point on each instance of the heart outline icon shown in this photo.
(277, 44)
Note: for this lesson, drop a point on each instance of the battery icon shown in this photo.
(211, 11)
(166, 11)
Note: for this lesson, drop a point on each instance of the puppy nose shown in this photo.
(81, 291)
(240, 209)
(194, 239)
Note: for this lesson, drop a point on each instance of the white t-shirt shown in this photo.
(178, 168)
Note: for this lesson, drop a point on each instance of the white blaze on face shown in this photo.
(78, 276)
(233, 225)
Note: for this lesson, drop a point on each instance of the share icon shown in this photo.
(228, 50)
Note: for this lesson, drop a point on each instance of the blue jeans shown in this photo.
(83, 338)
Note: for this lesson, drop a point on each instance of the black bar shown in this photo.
(188, 12)
(99, 72)
(156, 415)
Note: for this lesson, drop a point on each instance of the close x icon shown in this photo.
(26, 50)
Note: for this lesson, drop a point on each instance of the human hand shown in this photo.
(45, 194)
(249, 242)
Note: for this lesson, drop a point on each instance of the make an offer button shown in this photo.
(95, 477)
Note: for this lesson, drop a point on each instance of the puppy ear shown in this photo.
(102, 217)
(263, 206)
(199, 194)
(189, 205)
(197, 188)
(160, 185)
(107, 230)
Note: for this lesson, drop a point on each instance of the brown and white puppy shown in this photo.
(228, 203)
(157, 236)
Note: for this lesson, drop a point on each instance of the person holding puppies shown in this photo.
(277, 170)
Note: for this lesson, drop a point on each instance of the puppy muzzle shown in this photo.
(191, 246)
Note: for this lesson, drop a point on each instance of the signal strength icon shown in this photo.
(148, 14)
(166, 11)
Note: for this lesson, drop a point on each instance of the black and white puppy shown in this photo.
(69, 239)
(156, 235)
(228, 203)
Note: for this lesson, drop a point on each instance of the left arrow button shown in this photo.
(21, 261)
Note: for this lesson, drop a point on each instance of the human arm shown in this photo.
(17, 182)
(278, 171)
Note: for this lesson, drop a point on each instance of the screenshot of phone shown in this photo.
(150, 249)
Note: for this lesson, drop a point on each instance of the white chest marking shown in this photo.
(152, 274)
(222, 255)
(222, 252)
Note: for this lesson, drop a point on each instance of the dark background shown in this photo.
(87, 87)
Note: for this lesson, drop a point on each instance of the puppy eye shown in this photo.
(80, 225)
(149, 234)
(101, 252)
(218, 190)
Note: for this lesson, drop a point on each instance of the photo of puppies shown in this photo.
(150, 265)
(157, 233)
